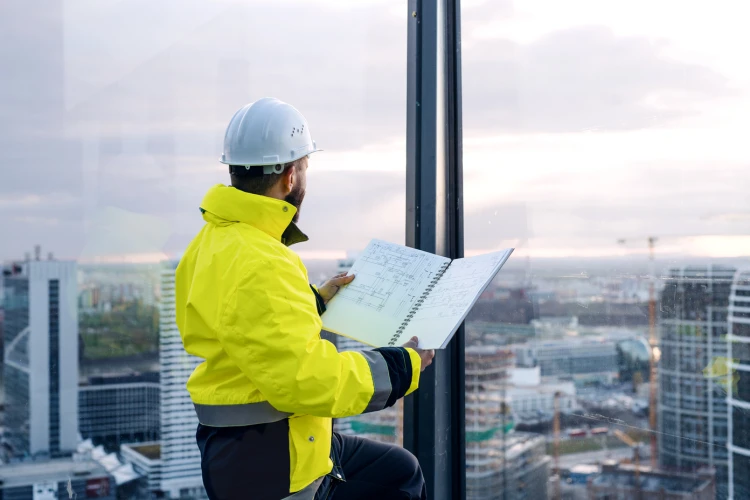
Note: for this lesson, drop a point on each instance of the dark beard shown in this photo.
(295, 199)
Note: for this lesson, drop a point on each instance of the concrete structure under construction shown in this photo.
(500, 463)
(692, 406)
(619, 481)
(509, 467)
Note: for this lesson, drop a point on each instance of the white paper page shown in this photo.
(389, 279)
(451, 299)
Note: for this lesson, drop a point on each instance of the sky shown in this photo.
(585, 122)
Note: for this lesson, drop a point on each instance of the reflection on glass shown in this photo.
(110, 138)
(603, 143)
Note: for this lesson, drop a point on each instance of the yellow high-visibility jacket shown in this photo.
(245, 306)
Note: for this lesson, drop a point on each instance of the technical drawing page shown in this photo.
(389, 280)
(452, 298)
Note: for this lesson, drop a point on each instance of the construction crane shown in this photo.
(636, 458)
(654, 350)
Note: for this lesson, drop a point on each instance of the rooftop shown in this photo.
(150, 451)
(482, 352)
(120, 378)
(585, 469)
(25, 473)
(588, 341)
(526, 377)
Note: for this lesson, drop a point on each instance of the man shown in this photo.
(269, 386)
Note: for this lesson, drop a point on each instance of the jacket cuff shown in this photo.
(400, 372)
(319, 302)
(416, 369)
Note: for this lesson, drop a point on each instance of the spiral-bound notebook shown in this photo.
(400, 292)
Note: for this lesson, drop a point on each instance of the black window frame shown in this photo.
(434, 417)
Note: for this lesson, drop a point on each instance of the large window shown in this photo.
(112, 128)
(604, 141)
(590, 128)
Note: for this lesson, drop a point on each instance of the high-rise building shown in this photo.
(181, 460)
(41, 357)
(117, 409)
(738, 386)
(176, 458)
(692, 410)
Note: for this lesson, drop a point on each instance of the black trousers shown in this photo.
(241, 463)
(372, 470)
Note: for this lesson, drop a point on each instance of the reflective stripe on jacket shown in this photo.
(244, 305)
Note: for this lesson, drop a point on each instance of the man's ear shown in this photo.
(288, 179)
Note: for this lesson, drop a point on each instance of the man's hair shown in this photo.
(254, 181)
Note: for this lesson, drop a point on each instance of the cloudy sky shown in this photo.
(585, 122)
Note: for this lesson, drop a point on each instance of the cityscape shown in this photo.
(558, 384)
(603, 141)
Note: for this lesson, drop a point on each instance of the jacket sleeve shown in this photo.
(271, 329)
(319, 302)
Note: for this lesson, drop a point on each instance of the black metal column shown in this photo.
(434, 416)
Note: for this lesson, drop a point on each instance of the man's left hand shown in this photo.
(331, 287)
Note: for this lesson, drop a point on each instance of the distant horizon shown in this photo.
(667, 249)
(632, 260)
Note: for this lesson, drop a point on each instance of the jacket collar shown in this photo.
(224, 205)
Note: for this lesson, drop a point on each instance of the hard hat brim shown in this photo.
(263, 164)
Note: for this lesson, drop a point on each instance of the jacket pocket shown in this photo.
(310, 447)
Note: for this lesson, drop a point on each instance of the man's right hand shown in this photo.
(425, 355)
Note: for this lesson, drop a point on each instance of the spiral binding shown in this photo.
(418, 303)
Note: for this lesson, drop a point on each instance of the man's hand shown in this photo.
(425, 356)
(331, 287)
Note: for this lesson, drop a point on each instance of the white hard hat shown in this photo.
(269, 133)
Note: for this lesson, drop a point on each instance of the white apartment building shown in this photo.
(41, 357)
(177, 457)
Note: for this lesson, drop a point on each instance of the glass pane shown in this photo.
(113, 120)
(603, 142)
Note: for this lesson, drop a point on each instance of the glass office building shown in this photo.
(694, 328)
(118, 409)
